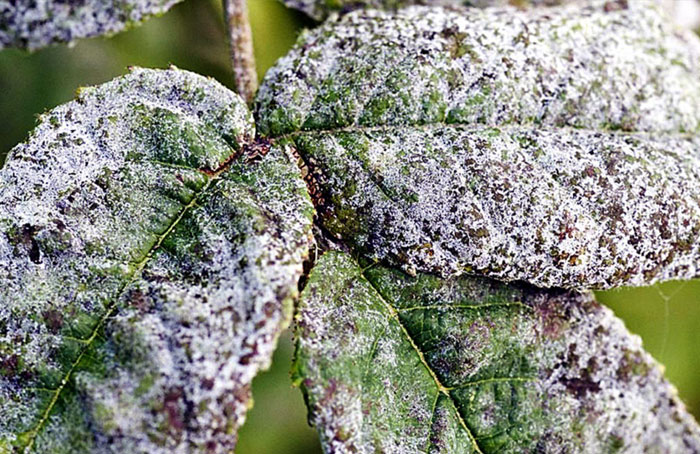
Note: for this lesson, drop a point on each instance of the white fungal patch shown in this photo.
(32, 24)
(147, 275)
(556, 208)
(581, 65)
(552, 145)
(320, 9)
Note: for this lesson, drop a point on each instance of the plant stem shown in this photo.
(241, 45)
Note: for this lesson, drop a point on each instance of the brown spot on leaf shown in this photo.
(172, 409)
(9, 365)
(615, 5)
(53, 320)
(581, 386)
(138, 300)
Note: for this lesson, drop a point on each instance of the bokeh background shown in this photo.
(191, 36)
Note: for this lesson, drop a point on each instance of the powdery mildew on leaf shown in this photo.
(320, 9)
(556, 145)
(577, 209)
(32, 24)
(149, 261)
(586, 66)
(391, 363)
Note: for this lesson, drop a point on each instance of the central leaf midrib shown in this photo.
(441, 389)
(111, 308)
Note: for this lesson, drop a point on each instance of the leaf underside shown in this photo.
(400, 364)
(33, 24)
(151, 263)
(556, 146)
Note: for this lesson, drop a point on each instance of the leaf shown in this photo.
(32, 24)
(320, 9)
(557, 146)
(393, 363)
(150, 252)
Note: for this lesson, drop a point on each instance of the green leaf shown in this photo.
(393, 363)
(320, 9)
(150, 252)
(32, 24)
(557, 146)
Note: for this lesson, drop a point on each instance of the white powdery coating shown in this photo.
(320, 9)
(53, 189)
(605, 372)
(570, 86)
(125, 200)
(550, 372)
(32, 24)
(553, 207)
(333, 365)
(207, 340)
(583, 66)
(685, 12)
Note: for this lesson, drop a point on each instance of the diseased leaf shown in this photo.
(400, 364)
(149, 253)
(320, 9)
(32, 24)
(557, 146)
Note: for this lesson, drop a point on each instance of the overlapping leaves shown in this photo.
(151, 244)
(558, 146)
(555, 146)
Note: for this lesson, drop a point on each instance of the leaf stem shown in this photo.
(241, 47)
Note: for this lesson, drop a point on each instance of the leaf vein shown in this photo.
(394, 314)
(111, 310)
(492, 380)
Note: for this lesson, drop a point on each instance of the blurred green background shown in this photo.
(191, 36)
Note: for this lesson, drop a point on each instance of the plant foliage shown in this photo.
(469, 173)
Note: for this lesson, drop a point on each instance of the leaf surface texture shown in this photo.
(149, 262)
(320, 9)
(557, 146)
(33, 24)
(393, 363)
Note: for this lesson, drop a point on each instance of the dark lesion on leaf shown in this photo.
(313, 177)
(581, 386)
(256, 150)
(24, 241)
(53, 320)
